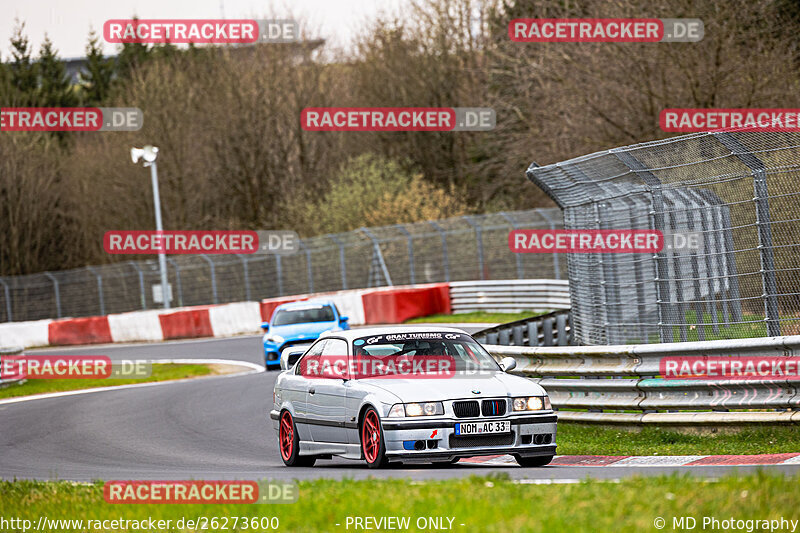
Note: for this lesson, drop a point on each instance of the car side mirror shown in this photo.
(265, 326)
(290, 359)
(344, 319)
(508, 364)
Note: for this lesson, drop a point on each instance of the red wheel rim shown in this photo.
(371, 437)
(286, 435)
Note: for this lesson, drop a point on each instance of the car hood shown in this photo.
(441, 389)
(305, 331)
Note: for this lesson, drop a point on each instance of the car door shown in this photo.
(326, 396)
(296, 384)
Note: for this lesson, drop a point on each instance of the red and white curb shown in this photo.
(649, 460)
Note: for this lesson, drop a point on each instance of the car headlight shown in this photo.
(275, 339)
(531, 403)
(416, 409)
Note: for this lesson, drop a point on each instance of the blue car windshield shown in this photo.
(323, 313)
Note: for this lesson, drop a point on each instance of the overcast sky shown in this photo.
(67, 22)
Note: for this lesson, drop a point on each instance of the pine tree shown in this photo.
(99, 73)
(22, 70)
(55, 87)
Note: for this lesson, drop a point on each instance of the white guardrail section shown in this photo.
(621, 384)
(509, 295)
(4, 351)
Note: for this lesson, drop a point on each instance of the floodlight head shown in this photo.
(136, 154)
(148, 153)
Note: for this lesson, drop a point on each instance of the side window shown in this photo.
(335, 355)
(314, 352)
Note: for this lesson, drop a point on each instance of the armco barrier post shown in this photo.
(445, 258)
(764, 225)
(342, 262)
(177, 281)
(7, 294)
(478, 242)
(213, 279)
(517, 257)
(141, 283)
(99, 289)
(405, 232)
(57, 293)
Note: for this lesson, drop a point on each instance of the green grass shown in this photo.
(494, 504)
(475, 316)
(161, 372)
(580, 439)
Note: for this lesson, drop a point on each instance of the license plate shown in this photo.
(479, 428)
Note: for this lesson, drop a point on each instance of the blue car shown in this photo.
(298, 323)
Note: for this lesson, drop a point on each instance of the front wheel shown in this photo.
(289, 443)
(540, 460)
(372, 444)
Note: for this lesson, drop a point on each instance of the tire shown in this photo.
(540, 460)
(373, 446)
(289, 443)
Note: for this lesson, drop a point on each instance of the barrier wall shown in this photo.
(387, 305)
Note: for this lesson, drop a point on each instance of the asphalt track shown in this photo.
(209, 428)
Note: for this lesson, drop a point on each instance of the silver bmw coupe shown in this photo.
(407, 394)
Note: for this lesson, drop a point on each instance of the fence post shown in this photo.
(556, 265)
(141, 283)
(342, 262)
(246, 273)
(279, 272)
(445, 257)
(410, 252)
(662, 270)
(99, 289)
(376, 249)
(213, 277)
(517, 256)
(165, 290)
(308, 266)
(478, 241)
(764, 225)
(8, 300)
(57, 293)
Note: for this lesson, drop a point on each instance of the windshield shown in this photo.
(465, 352)
(323, 313)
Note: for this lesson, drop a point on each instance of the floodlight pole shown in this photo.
(162, 258)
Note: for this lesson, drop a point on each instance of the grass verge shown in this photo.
(161, 372)
(580, 439)
(475, 316)
(479, 503)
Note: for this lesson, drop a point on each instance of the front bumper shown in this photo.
(531, 435)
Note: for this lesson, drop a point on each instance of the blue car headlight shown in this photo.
(274, 339)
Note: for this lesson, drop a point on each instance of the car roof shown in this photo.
(351, 334)
(303, 304)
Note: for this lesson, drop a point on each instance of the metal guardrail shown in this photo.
(509, 295)
(551, 329)
(9, 350)
(621, 384)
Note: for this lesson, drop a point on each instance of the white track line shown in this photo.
(253, 369)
